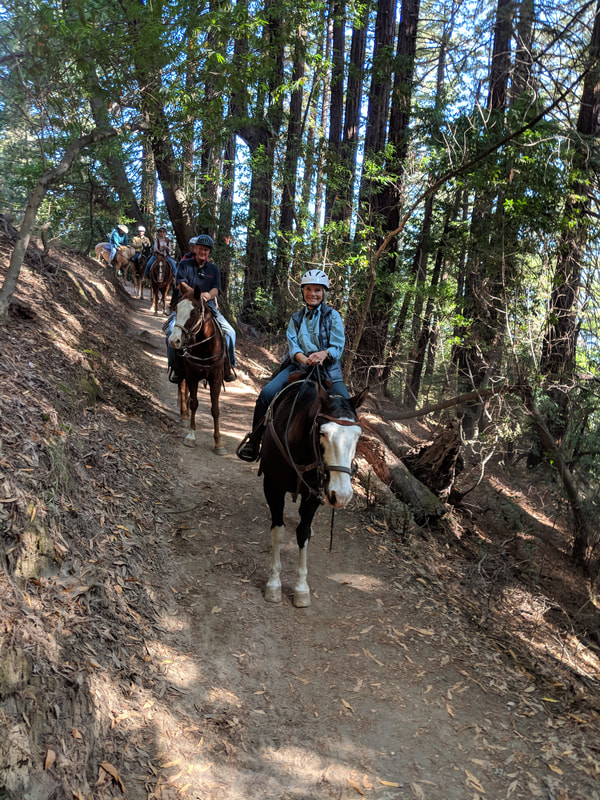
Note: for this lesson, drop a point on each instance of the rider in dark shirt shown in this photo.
(198, 271)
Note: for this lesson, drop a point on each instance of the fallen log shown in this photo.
(437, 464)
(389, 469)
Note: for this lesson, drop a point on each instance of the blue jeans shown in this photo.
(264, 399)
(228, 330)
(151, 261)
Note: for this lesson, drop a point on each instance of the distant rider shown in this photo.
(162, 246)
(141, 244)
(118, 238)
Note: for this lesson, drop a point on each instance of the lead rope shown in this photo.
(331, 530)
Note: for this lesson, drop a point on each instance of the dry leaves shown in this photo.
(107, 767)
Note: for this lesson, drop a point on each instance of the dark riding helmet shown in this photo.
(204, 240)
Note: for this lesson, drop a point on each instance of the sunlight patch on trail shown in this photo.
(364, 583)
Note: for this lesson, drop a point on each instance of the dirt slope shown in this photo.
(144, 661)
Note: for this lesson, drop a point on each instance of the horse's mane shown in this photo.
(305, 400)
(300, 398)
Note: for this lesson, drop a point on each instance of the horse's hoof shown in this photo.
(189, 442)
(220, 451)
(273, 595)
(301, 599)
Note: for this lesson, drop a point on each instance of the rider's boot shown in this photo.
(173, 375)
(228, 371)
(249, 448)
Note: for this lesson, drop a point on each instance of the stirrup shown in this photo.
(247, 450)
(173, 376)
(229, 375)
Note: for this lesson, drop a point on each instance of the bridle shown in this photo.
(163, 261)
(317, 463)
(189, 331)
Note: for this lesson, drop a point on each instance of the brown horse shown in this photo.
(200, 347)
(138, 267)
(123, 257)
(308, 448)
(161, 277)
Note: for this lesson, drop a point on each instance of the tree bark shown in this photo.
(381, 203)
(336, 108)
(115, 163)
(560, 338)
(287, 214)
(422, 501)
(342, 210)
(483, 301)
(260, 132)
(225, 235)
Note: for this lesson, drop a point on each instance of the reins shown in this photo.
(317, 463)
(205, 361)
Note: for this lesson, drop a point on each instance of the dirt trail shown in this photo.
(381, 689)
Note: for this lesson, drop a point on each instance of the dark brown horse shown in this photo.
(200, 347)
(308, 448)
(161, 277)
(138, 267)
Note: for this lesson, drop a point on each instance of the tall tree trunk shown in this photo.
(321, 149)
(342, 211)
(482, 345)
(290, 166)
(385, 201)
(309, 156)
(370, 347)
(148, 184)
(420, 270)
(115, 162)
(336, 109)
(260, 134)
(422, 336)
(138, 17)
(420, 333)
(560, 338)
(225, 237)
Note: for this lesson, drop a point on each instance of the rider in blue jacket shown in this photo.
(117, 238)
(315, 336)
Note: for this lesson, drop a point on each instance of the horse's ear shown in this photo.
(359, 399)
(184, 288)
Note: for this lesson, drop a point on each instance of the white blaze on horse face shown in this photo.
(184, 309)
(339, 446)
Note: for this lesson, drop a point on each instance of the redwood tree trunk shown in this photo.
(560, 338)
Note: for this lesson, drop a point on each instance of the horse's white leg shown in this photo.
(190, 439)
(273, 588)
(301, 590)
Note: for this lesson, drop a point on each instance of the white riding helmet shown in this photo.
(316, 277)
(141, 229)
